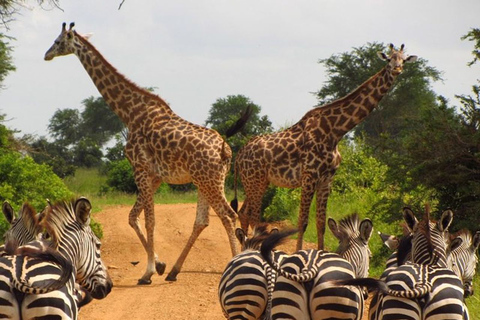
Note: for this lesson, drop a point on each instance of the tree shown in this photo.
(474, 35)
(6, 64)
(9, 8)
(226, 111)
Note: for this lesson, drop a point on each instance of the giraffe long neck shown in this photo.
(347, 112)
(126, 99)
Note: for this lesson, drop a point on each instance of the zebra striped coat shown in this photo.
(424, 288)
(463, 259)
(245, 286)
(303, 289)
(69, 231)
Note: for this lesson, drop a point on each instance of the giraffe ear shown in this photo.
(383, 56)
(87, 35)
(411, 59)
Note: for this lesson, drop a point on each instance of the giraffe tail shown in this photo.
(240, 123)
(234, 202)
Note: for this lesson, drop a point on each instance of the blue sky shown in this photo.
(194, 52)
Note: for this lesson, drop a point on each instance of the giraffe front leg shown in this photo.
(323, 192)
(146, 203)
(201, 222)
(308, 190)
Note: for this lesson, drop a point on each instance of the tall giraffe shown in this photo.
(306, 154)
(161, 146)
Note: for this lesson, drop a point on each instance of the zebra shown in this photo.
(25, 228)
(67, 226)
(303, 289)
(245, 286)
(424, 288)
(463, 259)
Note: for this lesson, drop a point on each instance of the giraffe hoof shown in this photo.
(160, 267)
(143, 282)
(171, 277)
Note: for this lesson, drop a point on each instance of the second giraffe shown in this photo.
(306, 154)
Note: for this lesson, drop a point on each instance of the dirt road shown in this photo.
(192, 296)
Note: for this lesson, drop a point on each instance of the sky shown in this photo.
(194, 52)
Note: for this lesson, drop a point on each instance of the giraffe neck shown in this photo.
(130, 102)
(347, 112)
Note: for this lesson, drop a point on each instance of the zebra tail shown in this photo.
(274, 240)
(46, 255)
(372, 284)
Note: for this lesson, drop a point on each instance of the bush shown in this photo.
(23, 180)
(120, 176)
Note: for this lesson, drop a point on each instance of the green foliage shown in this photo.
(120, 176)
(22, 180)
(284, 203)
(226, 111)
(474, 35)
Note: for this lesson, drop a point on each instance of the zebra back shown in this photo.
(245, 288)
(68, 226)
(40, 255)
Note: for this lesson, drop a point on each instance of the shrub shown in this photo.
(23, 180)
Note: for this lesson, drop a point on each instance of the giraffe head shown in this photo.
(64, 44)
(396, 59)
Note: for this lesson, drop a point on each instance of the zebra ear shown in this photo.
(241, 236)
(332, 224)
(457, 242)
(410, 219)
(476, 240)
(366, 229)
(82, 210)
(445, 220)
(8, 212)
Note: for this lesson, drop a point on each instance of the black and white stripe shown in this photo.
(304, 290)
(424, 288)
(69, 233)
(245, 286)
(463, 259)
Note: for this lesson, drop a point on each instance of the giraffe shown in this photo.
(306, 155)
(162, 147)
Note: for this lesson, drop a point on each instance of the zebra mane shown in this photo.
(29, 217)
(424, 228)
(55, 218)
(349, 226)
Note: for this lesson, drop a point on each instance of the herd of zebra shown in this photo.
(428, 276)
(50, 264)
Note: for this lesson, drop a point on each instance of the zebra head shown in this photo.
(463, 259)
(24, 226)
(68, 225)
(429, 238)
(260, 233)
(353, 237)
